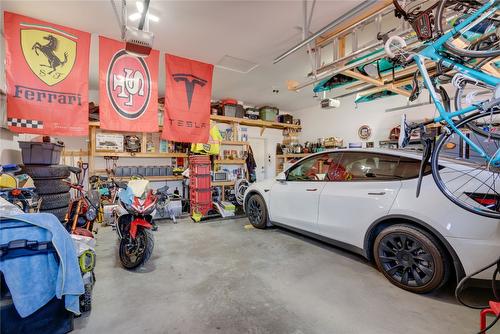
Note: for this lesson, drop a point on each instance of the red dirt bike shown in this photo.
(85, 209)
(134, 227)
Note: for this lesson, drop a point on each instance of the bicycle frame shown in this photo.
(433, 52)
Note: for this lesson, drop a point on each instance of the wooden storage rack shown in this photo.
(286, 158)
(94, 126)
(233, 121)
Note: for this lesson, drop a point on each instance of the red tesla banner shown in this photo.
(128, 88)
(47, 68)
(187, 100)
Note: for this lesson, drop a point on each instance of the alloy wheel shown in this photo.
(406, 260)
(255, 212)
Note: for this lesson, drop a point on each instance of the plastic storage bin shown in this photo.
(286, 118)
(35, 153)
(268, 113)
(200, 181)
(141, 170)
(233, 110)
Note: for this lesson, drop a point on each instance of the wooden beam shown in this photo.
(399, 91)
(376, 82)
(365, 78)
(406, 71)
(490, 68)
(345, 26)
(341, 46)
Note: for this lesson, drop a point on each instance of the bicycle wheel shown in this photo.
(473, 93)
(473, 184)
(479, 42)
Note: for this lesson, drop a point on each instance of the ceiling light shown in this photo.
(135, 16)
(140, 9)
(140, 6)
(153, 18)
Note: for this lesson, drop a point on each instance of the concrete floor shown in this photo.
(224, 277)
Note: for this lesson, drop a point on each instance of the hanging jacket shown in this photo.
(213, 145)
(251, 165)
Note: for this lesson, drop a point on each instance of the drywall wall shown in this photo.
(345, 121)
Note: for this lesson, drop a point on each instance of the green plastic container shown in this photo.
(268, 113)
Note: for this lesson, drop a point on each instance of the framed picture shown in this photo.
(364, 132)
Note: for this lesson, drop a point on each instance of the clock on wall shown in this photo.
(364, 132)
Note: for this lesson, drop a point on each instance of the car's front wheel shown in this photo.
(257, 211)
(410, 258)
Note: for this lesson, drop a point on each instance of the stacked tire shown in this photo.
(50, 186)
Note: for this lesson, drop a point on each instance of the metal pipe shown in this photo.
(353, 12)
(121, 20)
(144, 14)
(383, 11)
(124, 18)
(337, 71)
(367, 48)
(311, 15)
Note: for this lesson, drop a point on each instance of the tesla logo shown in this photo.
(130, 84)
(190, 81)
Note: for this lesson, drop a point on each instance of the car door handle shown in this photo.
(312, 189)
(379, 193)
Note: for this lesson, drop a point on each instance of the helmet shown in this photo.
(132, 144)
(395, 132)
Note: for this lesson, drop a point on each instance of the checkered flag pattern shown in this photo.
(25, 123)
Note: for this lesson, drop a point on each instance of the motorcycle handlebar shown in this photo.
(120, 184)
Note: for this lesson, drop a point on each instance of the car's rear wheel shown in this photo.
(410, 258)
(257, 211)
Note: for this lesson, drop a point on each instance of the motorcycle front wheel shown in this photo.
(136, 252)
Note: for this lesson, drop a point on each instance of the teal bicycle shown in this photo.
(465, 44)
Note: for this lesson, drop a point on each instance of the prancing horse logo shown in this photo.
(48, 50)
(50, 55)
(190, 81)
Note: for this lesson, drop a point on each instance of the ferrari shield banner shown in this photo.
(47, 68)
(187, 100)
(128, 88)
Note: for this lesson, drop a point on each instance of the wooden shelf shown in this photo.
(235, 143)
(141, 155)
(253, 122)
(243, 121)
(155, 178)
(293, 155)
(229, 162)
(222, 183)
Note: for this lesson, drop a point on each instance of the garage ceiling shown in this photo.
(256, 31)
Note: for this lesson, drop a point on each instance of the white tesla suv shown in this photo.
(364, 201)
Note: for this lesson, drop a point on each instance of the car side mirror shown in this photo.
(281, 177)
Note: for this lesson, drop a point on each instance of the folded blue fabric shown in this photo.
(34, 280)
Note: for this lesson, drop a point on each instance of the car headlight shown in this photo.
(91, 214)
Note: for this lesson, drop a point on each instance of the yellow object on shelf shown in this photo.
(213, 145)
(8, 181)
(197, 216)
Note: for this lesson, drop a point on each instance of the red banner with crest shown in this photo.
(47, 67)
(187, 100)
(128, 88)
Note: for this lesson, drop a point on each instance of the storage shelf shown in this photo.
(222, 183)
(293, 155)
(254, 122)
(243, 121)
(155, 178)
(235, 143)
(230, 162)
(141, 154)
